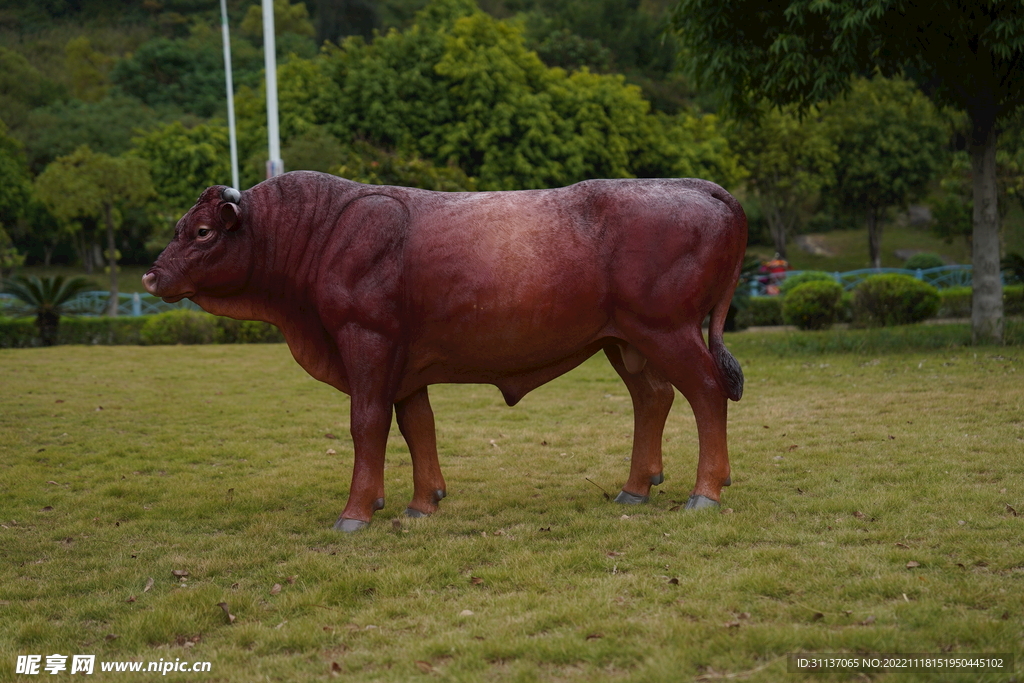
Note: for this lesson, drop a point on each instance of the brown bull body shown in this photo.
(382, 291)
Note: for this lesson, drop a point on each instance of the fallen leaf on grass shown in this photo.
(475, 580)
(867, 622)
(149, 584)
(276, 589)
(818, 616)
(732, 624)
(335, 668)
(1011, 510)
(331, 451)
(858, 514)
(111, 636)
(594, 636)
(330, 436)
(224, 606)
(912, 564)
(614, 554)
(743, 615)
(673, 581)
(56, 484)
(466, 613)
(291, 579)
(903, 545)
(179, 573)
(425, 667)
(674, 508)
(792, 448)
(131, 598)
(46, 509)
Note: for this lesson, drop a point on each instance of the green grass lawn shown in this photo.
(871, 511)
(851, 249)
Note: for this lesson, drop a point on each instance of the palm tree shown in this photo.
(46, 298)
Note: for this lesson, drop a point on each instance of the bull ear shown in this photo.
(229, 214)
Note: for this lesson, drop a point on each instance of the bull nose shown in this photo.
(149, 282)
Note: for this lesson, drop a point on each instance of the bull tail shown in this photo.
(730, 374)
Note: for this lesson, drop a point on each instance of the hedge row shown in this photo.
(173, 327)
(954, 302)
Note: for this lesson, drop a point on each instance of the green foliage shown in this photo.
(762, 311)
(231, 331)
(923, 261)
(15, 187)
(365, 163)
(955, 302)
(9, 256)
(86, 184)
(793, 281)
(87, 68)
(59, 129)
(890, 142)
(813, 305)
(17, 333)
(179, 327)
(883, 300)
(183, 162)
(288, 18)
(47, 299)
(788, 161)
(460, 87)
(1013, 267)
(186, 74)
(22, 88)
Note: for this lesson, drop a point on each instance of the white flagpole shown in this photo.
(275, 166)
(231, 93)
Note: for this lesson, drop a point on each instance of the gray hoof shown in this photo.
(350, 525)
(626, 498)
(658, 479)
(415, 514)
(728, 481)
(700, 503)
(439, 494)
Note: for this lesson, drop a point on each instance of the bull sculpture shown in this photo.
(382, 291)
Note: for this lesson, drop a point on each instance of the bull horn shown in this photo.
(230, 194)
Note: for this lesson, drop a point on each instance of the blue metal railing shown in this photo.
(95, 303)
(941, 277)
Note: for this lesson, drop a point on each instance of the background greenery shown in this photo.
(450, 95)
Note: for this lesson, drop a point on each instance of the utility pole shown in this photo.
(275, 165)
(231, 92)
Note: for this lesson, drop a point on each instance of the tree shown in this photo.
(788, 161)
(87, 184)
(47, 299)
(963, 54)
(183, 162)
(15, 193)
(891, 144)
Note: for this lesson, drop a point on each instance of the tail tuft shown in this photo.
(729, 371)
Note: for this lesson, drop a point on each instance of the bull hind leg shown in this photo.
(686, 362)
(652, 398)
(416, 422)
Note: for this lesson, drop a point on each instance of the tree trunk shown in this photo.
(874, 237)
(112, 262)
(776, 225)
(987, 302)
(47, 255)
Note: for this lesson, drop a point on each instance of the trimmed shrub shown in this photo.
(18, 333)
(955, 302)
(924, 261)
(230, 331)
(101, 330)
(761, 311)
(813, 305)
(180, 327)
(791, 283)
(883, 300)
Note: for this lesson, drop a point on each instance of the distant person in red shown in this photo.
(775, 271)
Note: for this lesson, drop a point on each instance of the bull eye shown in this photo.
(203, 232)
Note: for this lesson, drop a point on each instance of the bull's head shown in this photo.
(210, 255)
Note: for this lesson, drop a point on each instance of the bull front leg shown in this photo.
(372, 365)
(416, 421)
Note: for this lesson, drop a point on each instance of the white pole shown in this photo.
(231, 92)
(275, 166)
